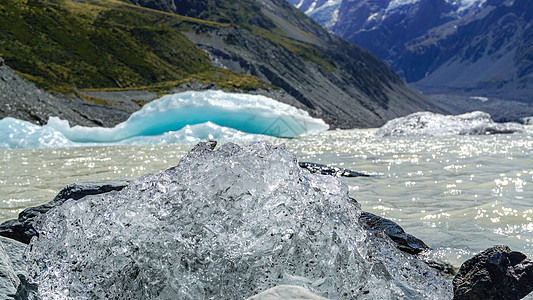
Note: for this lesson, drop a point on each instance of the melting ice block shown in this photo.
(18, 134)
(432, 124)
(223, 224)
(247, 113)
(188, 117)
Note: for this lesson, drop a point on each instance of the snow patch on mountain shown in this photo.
(467, 4)
(398, 3)
(324, 12)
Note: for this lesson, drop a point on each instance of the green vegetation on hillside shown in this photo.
(60, 44)
(234, 12)
(245, 14)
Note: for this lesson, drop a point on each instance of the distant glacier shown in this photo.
(187, 117)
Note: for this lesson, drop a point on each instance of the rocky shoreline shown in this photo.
(23, 100)
(496, 273)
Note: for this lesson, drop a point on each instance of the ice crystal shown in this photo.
(222, 224)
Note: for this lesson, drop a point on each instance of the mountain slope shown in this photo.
(332, 79)
(23, 100)
(61, 44)
(477, 47)
(90, 47)
(490, 54)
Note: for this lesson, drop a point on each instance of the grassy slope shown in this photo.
(60, 44)
(244, 14)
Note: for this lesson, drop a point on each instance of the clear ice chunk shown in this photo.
(222, 224)
(432, 124)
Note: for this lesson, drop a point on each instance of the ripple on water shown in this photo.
(460, 194)
(32, 177)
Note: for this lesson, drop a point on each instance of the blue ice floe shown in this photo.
(178, 118)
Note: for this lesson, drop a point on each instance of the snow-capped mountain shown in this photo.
(489, 51)
(480, 46)
(325, 12)
(460, 5)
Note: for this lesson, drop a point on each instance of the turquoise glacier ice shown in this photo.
(178, 118)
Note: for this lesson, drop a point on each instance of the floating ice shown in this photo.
(224, 224)
(527, 120)
(192, 134)
(18, 134)
(482, 99)
(432, 124)
(247, 113)
(179, 118)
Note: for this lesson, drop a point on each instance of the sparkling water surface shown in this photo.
(460, 194)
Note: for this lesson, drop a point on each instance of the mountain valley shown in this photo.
(267, 47)
(478, 48)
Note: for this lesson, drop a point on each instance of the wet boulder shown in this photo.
(496, 273)
(333, 171)
(405, 242)
(13, 275)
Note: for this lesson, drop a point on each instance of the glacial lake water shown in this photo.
(459, 194)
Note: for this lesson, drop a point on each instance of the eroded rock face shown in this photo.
(496, 273)
(8, 279)
(226, 223)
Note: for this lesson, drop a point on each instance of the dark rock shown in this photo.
(15, 251)
(14, 282)
(444, 268)
(405, 242)
(22, 230)
(1, 61)
(501, 109)
(26, 289)
(527, 121)
(8, 279)
(496, 273)
(12, 268)
(334, 171)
